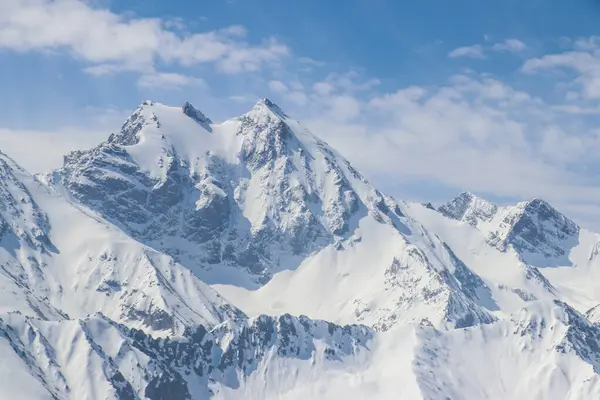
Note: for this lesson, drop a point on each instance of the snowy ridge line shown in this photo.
(201, 363)
(148, 266)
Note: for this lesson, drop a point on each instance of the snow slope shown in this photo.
(546, 351)
(260, 195)
(155, 258)
(235, 202)
(58, 262)
(532, 234)
(95, 358)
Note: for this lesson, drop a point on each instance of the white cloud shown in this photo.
(168, 81)
(107, 69)
(474, 132)
(278, 87)
(323, 88)
(243, 98)
(475, 51)
(344, 108)
(25, 147)
(584, 62)
(311, 62)
(296, 85)
(510, 45)
(112, 42)
(43, 150)
(587, 44)
(251, 59)
(478, 51)
(297, 97)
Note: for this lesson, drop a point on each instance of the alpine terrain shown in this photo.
(185, 259)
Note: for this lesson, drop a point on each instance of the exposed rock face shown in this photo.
(536, 227)
(552, 332)
(530, 228)
(469, 208)
(19, 213)
(253, 192)
(193, 366)
(277, 222)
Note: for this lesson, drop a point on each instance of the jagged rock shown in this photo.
(530, 228)
(136, 365)
(234, 194)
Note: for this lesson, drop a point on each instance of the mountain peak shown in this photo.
(543, 211)
(537, 227)
(465, 195)
(470, 208)
(539, 204)
(266, 104)
(530, 227)
(147, 103)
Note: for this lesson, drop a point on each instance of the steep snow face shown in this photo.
(258, 196)
(547, 343)
(24, 246)
(99, 359)
(279, 223)
(256, 193)
(57, 262)
(538, 248)
(20, 216)
(535, 227)
(380, 278)
(287, 357)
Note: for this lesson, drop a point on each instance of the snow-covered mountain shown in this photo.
(182, 258)
(95, 357)
(257, 193)
(59, 262)
(531, 228)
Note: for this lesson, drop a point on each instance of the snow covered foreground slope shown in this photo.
(106, 257)
(260, 197)
(84, 309)
(96, 358)
(58, 262)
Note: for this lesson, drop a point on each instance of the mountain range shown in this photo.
(184, 259)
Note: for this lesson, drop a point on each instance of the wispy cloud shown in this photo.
(278, 87)
(475, 132)
(585, 63)
(43, 150)
(475, 51)
(479, 51)
(117, 42)
(169, 81)
(510, 45)
(294, 94)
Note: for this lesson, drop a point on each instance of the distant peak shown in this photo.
(268, 104)
(537, 202)
(469, 197)
(468, 207)
(147, 103)
(465, 195)
(195, 114)
(544, 210)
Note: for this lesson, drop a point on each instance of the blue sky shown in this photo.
(426, 97)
